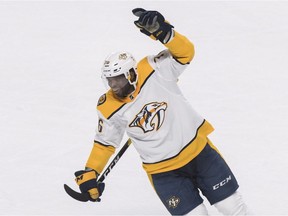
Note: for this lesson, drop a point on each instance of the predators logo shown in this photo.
(150, 117)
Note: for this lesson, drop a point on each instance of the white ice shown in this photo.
(50, 58)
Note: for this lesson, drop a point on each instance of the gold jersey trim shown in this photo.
(99, 156)
(112, 104)
(181, 48)
(190, 151)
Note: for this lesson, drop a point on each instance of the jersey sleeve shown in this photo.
(181, 48)
(109, 131)
(172, 62)
(111, 127)
(108, 137)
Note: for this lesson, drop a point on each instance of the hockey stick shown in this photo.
(84, 197)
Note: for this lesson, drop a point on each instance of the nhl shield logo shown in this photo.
(173, 202)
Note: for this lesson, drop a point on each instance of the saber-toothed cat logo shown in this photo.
(150, 117)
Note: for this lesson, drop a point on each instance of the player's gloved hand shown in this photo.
(87, 181)
(153, 24)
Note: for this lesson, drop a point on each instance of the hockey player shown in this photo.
(145, 101)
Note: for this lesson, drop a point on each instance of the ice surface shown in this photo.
(50, 58)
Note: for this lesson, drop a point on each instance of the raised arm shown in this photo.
(153, 24)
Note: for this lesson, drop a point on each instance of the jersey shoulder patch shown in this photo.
(101, 100)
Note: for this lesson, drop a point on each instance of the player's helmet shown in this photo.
(119, 63)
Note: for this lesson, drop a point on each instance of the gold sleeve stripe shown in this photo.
(190, 151)
(99, 156)
(181, 48)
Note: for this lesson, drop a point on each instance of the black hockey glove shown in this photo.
(153, 24)
(87, 181)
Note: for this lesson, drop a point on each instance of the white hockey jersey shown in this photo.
(165, 130)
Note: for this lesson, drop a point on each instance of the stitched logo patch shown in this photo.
(101, 100)
(173, 202)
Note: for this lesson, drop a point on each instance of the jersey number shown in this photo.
(100, 125)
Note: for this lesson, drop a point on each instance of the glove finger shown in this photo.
(160, 18)
(152, 21)
(142, 28)
(94, 193)
(138, 11)
(138, 24)
(144, 18)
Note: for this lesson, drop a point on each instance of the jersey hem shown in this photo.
(188, 153)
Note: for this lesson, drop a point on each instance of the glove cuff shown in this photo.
(84, 176)
(86, 179)
(164, 33)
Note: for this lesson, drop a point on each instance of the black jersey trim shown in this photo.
(152, 72)
(116, 111)
(180, 62)
(97, 142)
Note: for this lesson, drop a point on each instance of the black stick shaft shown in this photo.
(114, 161)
